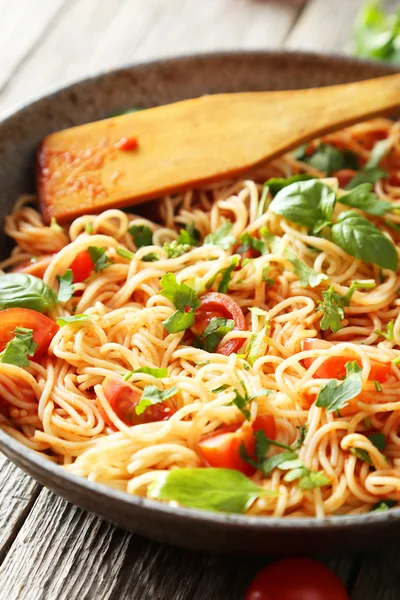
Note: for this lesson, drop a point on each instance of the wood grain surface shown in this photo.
(49, 549)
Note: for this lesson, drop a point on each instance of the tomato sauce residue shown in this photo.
(127, 143)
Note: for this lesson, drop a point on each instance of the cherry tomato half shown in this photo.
(344, 176)
(37, 268)
(81, 267)
(334, 367)
(222, 305)
(296, 579)
(124, 398)
(44, 329)
(222, 447)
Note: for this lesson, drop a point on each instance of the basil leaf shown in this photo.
(360, 238)
(328, 158)
(276, 460)
(308, 203)
(20, 290)
(99, 258)
(180, 294)
(152, 395)
(216, 329)
(19, 348)
(334, 395)
(190, 235)
(142, 235)
(222, 490)
(72, 319)
(179, 321)
(276, 184)
(306, 275)
(371, 175)
(361, 197)
(154, 371)
(377, 34)
(66, 289)
(222, 237)
(379, 151)
(383, 505)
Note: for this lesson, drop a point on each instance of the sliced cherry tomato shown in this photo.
(296, 579)
(217, 304)
(344, 176)
(37, 268)
(81, 267)
(124, 398)
(222, 447)
(44, 329)
(334, 367)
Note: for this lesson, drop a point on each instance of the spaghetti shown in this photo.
(201, 392)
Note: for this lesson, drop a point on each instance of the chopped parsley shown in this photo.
(222, 237)
(19, 348)
(99, 258)
(185, 301)
(66, 288)
(336, 394)
(142, 235)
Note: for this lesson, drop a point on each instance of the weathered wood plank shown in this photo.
(328, 25)
(17, 495)
(62, 552)
(21, 27)
(379, 576)
(88, 39)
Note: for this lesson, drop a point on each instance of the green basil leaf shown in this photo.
(276, 184)
(222, 490)
(334, 395)
(152, 395)
(99, 258)
(306, 275)
(328, 158)
(19, 348)
(361, 197)
(308, 203)
(179, 321)
(360, 238)
(371, 175)
(383, 505)
(20, 290)
(277, 459)
(379, 151)
(72, 319)
(66, 289)
(216, 329)
(189, 236)
(180, 294)
(222, 237)
(142, 235)
(159, 373)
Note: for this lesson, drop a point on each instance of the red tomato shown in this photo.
(217, 304)
(222, 447)
(124, 398)
(296, 579)
(81, 267)
(37, 268)
(334, 367)
(44, 329)
(344, 176)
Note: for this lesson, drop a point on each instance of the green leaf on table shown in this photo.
(222, 490)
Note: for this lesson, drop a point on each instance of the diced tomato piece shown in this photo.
(124, 398)
(344, 176)
(44, 329)
(222, 447)
(37, 268)
(81, 267)
(334, 367)
(216, 304)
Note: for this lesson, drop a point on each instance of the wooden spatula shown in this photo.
(139, 156)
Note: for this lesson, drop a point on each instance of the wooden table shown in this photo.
(49, 549)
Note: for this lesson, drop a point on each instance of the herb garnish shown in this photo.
(378, 440)
(336, 394)
(20, 290)
(99, 258)
(19, 348)
(306, 275)
(222, 237)
(66, 289)
(152, 395)
(142, 235)
(333, 305)
(185, 301)
(389, 333)
(216, 329)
